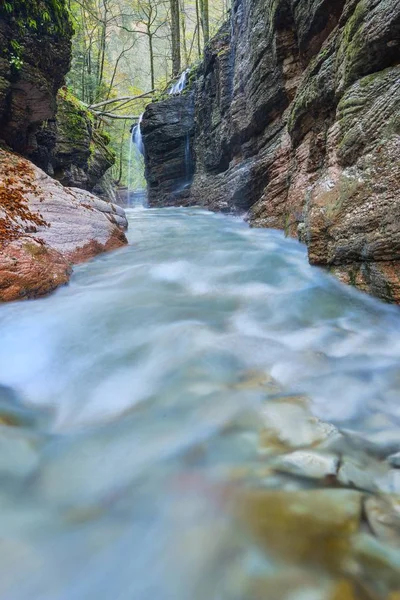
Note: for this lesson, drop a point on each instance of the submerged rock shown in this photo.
(383, 515)
(289, 424)
(313, 527)
(45, 228)
(394, 460)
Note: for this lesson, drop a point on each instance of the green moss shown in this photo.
(353, 42)
(72, 118)
(105, 137)
(44, 16)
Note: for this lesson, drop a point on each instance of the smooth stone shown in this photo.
(306, 463)
(290, 425)
(363, 473)
(383, 515)
(379, 443)
(391, 483)
(375, 564)
(258, 380)
(394, 460)
(302, 526)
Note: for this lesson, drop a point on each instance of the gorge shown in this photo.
(200, 414)
(293, 118)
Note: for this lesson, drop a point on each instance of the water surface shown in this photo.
(143, 386)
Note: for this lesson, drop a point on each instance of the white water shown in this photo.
(133, 378)
(135, 161)
(178, 87)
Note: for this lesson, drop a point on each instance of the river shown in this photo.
(155, 402)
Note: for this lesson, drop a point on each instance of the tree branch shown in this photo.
(121, 99)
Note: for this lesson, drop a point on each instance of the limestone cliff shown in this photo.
(45, 227)
(297, 122)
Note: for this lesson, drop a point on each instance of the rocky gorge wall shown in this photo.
(296, 121)
(46, 226)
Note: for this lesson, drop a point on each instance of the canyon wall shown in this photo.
(45, 226)
(297, 123)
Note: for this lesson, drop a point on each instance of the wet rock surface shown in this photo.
(168, 128)
(45, 228)
(296, 119)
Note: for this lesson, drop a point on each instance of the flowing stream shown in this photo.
(146, 407)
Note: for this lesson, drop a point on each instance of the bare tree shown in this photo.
(175, 37)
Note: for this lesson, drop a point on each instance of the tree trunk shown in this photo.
(198, 27)
(175, 37)
(183, 24)
(151, 54)
(205, 20)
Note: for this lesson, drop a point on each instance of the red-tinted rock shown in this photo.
(45, 227)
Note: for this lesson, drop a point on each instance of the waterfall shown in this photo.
(135, 162)
(137, 135)
(130, 166)
(180, 85)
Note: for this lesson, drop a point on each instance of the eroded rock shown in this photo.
(45, 228)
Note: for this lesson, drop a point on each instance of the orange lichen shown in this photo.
(16, 218)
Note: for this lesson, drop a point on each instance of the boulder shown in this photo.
(45, 228)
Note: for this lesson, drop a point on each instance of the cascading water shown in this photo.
(135, 163)
(137, 135)
(178, 87)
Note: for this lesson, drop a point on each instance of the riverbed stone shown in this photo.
(313, 527)
(363, 472)
(309, 464)
(288, 424)
(375, 564)
(394, 460)
(383, 515)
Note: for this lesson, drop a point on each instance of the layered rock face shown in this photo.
(45, 227)
(168, 129)
(35, 50)
(297, 122)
